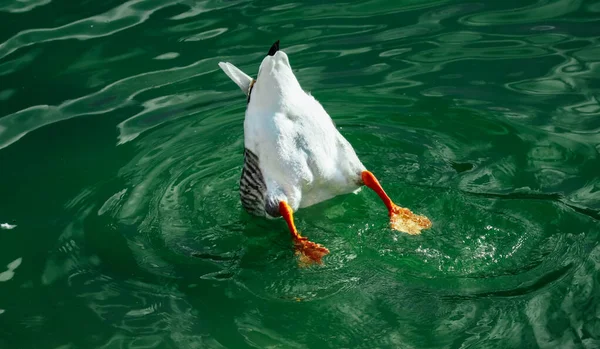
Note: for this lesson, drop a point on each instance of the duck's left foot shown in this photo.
(404, 220)
(309, 252)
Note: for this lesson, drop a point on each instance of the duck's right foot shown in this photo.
(404, 220)
(401, 219)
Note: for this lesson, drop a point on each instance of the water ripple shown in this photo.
(540, 11)
(116, 95)
(23, 6)
(120, 18)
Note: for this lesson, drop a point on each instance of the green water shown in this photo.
(121, 147)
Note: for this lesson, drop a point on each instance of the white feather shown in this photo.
(303, 158)
(239, 77)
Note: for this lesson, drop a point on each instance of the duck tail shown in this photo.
(239, 77)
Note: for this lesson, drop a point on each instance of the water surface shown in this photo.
(121, 147)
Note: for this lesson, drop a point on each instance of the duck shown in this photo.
(295, 157)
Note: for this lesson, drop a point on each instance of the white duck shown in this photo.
(294, 155)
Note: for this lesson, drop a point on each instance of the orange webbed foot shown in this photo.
(404, 220)
(401, 219)
(309, 252)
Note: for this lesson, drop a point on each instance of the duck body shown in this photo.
(294, 155)
(302, 157)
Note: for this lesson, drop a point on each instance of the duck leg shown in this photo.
(401, 219)
(309, 251)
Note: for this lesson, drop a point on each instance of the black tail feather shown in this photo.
(274, 48)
